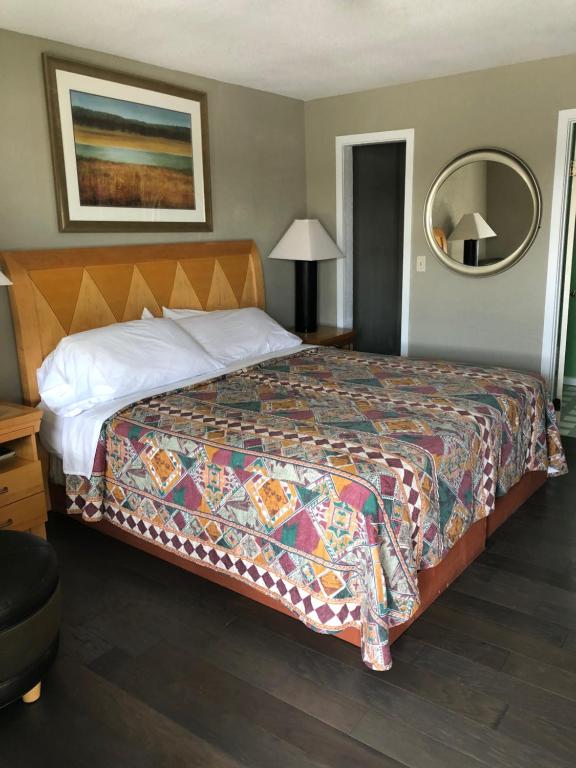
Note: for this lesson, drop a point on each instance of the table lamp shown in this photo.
(472, 228)
(306, 242)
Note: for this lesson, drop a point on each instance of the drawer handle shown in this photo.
(6, 523)
(4, 489)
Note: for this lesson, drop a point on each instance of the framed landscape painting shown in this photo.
(129, 154)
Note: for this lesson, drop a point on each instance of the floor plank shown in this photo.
(456, 642)
(351, 681)
(519, 593)
(481, 628)
(368, 692)
(495, 683)
(528, 729)
(238, 716)
(84, 721)
(477, 607)
(530, 554)
(389, 735)
(565, 579)
(542, 675)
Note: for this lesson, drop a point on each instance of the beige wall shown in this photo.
(256, 155)
(495, 319)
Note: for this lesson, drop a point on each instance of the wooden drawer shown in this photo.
(24, 514)
(21, 478)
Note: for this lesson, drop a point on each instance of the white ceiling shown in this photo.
(307, 48)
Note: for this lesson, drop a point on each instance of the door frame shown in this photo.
(567, 285)
(344, 224)
(559, 262)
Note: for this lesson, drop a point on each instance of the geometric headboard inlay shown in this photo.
(58, 292)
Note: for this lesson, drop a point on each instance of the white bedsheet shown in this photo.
(74, 438)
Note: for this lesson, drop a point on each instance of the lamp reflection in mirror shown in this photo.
(306, 242)
(4, 280)
(471, 228)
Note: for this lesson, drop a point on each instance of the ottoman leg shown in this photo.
(32, 695)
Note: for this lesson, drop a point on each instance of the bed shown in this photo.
(345, 489)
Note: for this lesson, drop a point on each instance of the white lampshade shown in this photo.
(4, 280)
(306, 240)
(472, 227)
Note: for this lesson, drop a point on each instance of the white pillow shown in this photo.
(105, 363)
(146, 314)
(178, 314)
(233, 334)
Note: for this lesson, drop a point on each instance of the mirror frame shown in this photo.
(513, 162)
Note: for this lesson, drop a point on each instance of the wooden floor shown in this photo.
(160, 668)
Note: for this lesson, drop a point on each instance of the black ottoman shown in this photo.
(29, 614)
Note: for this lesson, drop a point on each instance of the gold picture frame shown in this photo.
(130, 154)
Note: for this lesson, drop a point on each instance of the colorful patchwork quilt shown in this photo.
(326, 479)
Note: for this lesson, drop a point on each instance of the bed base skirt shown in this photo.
(431, 582)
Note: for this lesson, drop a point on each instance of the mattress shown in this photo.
(324, 478)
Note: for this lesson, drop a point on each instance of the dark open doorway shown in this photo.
(378, 228)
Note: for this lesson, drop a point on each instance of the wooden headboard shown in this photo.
(58, 292)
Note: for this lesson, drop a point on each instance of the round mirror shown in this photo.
(482, 212)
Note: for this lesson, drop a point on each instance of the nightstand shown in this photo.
(22, 500)
(329, 336)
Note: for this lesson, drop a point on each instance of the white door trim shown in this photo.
(568, 264)
(558, 218)
(344, 275)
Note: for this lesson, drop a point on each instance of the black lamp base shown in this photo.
(471, 254)
(306, 295)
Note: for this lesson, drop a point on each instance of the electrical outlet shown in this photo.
(421, 264)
